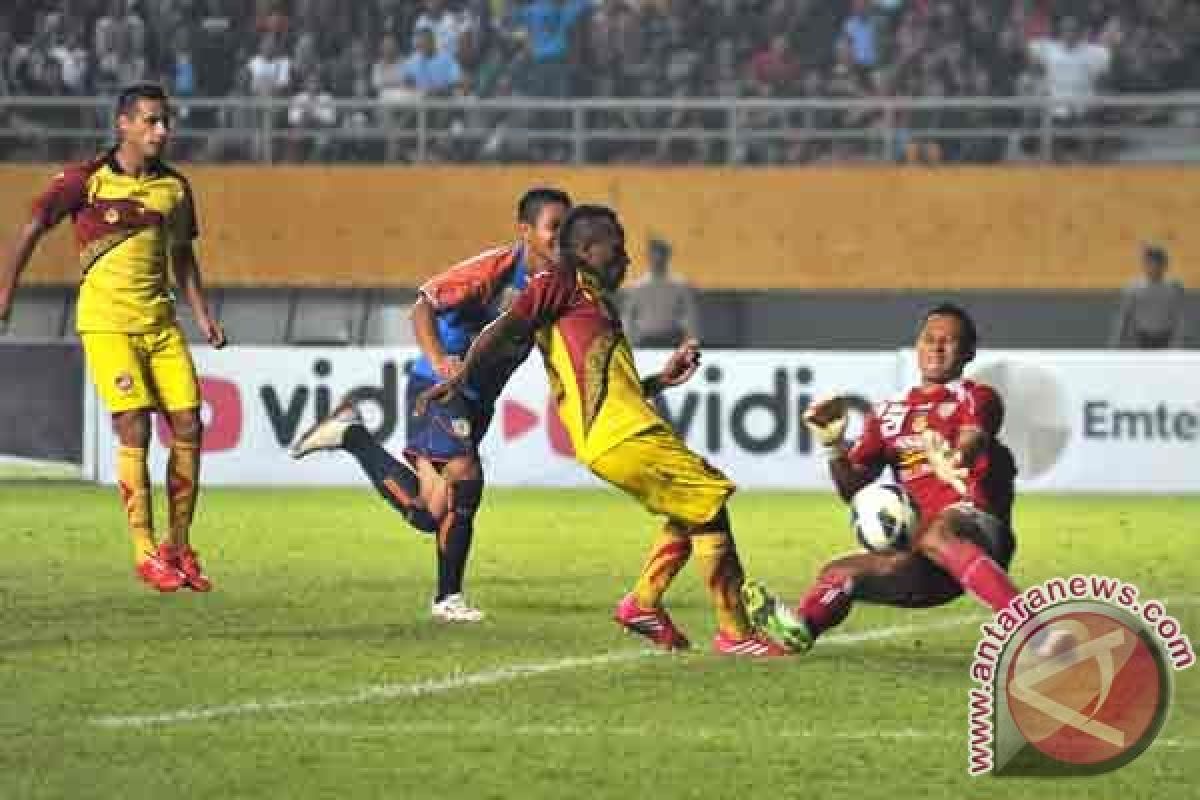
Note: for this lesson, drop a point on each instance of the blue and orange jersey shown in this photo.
(465, 299)
(588, 361)
(125, 227)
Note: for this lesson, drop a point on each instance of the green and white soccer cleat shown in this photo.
(329, 433)
(775, 619)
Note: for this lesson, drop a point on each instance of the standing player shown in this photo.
(132, 214)
(615, 430)
(939, 438)
(444, 493)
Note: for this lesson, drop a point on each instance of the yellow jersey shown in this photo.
(588, 361)
(125, 227)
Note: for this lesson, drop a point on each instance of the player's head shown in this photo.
(540, 212)
(659, 251)
(946, 341)
(143, 119)
(592, 240)
(1154, 261)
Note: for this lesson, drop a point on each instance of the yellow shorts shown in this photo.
(142, 370)
(659, 470)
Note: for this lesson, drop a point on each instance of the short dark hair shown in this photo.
(580, 224)
(533, 201)
(1155, 254)
(969, 331)
(129, 96)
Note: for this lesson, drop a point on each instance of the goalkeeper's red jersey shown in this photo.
(892, 436)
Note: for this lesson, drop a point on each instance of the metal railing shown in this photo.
(731, 131)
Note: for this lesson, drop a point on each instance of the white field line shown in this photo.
(451, 683)
(387, 692)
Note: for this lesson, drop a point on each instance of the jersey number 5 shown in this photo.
(891, 422)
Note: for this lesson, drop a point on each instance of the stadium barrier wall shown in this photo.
(1016, 228)
(42, 412)
(1077, 420)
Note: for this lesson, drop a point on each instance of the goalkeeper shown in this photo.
(939, 438)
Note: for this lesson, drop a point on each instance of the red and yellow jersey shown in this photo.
(588, 361)
(125, 227)
(892, 436)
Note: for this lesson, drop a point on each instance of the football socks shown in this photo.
(454, 536)
(133, 482)
(975, 571)
(670, 552)
(723, 575)
(393, 480)
(183, 475)
(827, 602)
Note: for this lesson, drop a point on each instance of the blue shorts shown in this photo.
(445, 430)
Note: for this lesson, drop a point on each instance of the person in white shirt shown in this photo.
(1073, 67)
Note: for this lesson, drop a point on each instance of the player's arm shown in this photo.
(65, 195)
(15, 261)
(827, 420)
(187, 280)
(679, 369)
(506, 329)
(424, 322)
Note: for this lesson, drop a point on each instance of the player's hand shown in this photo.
(682, 364)
(442, 393)
(827, 419)
(448, 367)
(945, 460)
(213, 333)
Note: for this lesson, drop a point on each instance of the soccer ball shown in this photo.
(884, 517)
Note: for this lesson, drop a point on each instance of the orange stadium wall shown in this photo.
(986, 228)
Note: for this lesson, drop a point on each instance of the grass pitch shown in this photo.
(313, 670)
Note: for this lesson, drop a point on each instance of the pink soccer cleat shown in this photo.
(161, 574)
(654, 623)
(756, 646)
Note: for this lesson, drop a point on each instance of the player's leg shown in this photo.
(174, 378)
(117, 363)
(394, 481)
(667, 478)
(463, 478)
(974, 548)
(903, 579)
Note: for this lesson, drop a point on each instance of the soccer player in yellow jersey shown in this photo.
(616, 431)
(132, 215)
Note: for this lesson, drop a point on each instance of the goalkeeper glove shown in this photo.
(826, 418)
(945, 461)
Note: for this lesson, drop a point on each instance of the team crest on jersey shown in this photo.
(112, 216)
(946, 410)
(124, 383)
(920, 422)
(461, 427)
(505, 299)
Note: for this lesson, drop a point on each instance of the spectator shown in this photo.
(1151, 315)
(312, 113)
(387, 73)
(270, 69)
(860, 28)
(550, 25)
(446, 25)
(1073, 68)
(428, 71)
(659, 309)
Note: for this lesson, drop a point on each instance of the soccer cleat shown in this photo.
(654, 623)
(773, 618)
(756, 646)
(329, 433)
(160, 574)
(454, 608)
(186, 561)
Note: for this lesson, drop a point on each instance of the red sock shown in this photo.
(976, 572)
(827, 602)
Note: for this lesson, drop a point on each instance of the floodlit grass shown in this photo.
(314, 671)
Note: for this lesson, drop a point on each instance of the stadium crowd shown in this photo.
(309, 54)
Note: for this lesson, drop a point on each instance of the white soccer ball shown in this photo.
(884, 517)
